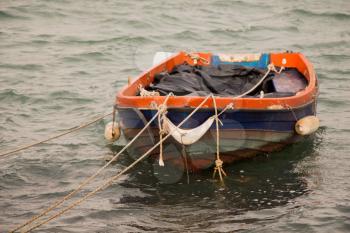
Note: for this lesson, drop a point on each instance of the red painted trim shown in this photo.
(126, 97)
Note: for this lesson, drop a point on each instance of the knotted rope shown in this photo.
(218, 162)
(162, 109)
(164, 128)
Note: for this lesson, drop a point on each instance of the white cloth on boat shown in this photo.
(187, 136)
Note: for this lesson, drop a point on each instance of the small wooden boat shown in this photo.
(256, 122)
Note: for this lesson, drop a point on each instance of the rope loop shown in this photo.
(272, 67)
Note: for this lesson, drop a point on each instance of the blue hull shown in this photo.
(244, 132)
(271, 120)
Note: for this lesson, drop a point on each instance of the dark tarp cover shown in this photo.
(224, 80)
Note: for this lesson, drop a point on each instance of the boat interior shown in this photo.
(228, 76)
(193, 76)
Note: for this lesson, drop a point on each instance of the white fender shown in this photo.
(307, 125)
(187, 136)
(109, 131)
(161, 56)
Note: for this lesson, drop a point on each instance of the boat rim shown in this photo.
(288, 60)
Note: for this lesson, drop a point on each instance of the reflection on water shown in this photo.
(264, 182)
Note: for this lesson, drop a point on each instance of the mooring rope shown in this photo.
(74, 129)
(218, 162)
(89, 179)
(112, 179)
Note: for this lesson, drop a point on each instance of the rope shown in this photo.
(270, 68)
(112, 179)
(144, 92)
(184, 155)
(162, 109)
(196, 58)
(291, 109)
(74, 129)
(229, 106)
(273, 68)
(88, 180)
(218, 162)
(113, 121)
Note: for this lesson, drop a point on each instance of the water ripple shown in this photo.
(5, 15)
(326, 14)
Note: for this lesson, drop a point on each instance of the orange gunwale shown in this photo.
(127, 96)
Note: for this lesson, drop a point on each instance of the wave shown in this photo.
(325, 44)
(336, 15)
(31, 67)
(68, 96)
(119, 39)
(186, 35)
(11, 95)
(6, 16)
(224, 3)
(58, 94)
